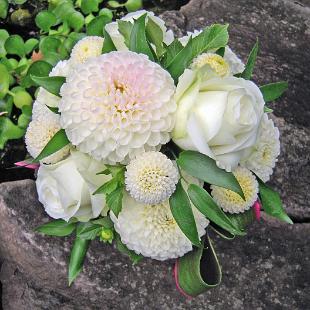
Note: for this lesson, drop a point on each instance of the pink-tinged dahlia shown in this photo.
(118, 105)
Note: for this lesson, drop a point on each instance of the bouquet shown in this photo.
(148, 142)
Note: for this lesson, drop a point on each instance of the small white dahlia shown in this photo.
(263, 158)
(216, 62)
(151, 178)
(39, 133)
(230, 201)
(151, 230)
(117, 106)
(87, 47)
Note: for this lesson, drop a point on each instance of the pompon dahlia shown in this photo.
(90, 46)
(230, 201)
(263, 158)
(151, 230)
(151, 178)
(117, 106)
(39, 133)
(216, 62)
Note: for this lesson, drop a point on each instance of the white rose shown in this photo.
(118, 39)
(65, 189)
(218, 117)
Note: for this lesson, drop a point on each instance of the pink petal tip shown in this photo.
(25, 164)
(257, 208)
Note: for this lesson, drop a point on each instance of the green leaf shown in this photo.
(155, 35)
(25, 117)
(6, 105)
(171, 51)
(221, 232)
(3, 8)
(267, 110)
(125, 28)
(58, 141)
(182, 212)
(49, 44)
(59, 228)
(273, 91)
(30, 45)
(88, 230)
(105, 222)
(96, 26)
(249, 67)
(107, 187)
(213, 37)
(221, 51)
(108, 45)
(39, 68)
(53, 109)
(207, 206)
(242, 220)
(272, 203)
(3, 36)
(72, 39)
(77, 257)
(89, 6)
(63, 9)
(133, 5)
(138, 42)
(199, 270)
(9, 131)
(107, 13)
(14, 45)
(75, 20)
(51, 83)
(134, 257)
(115, 4)
(114, 200)
(4, 81)
(45, 20)
(204, 168)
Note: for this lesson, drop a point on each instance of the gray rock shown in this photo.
(267, 269)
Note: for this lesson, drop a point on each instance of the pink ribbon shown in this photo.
(256, 209)
(176, 279)
(25, 164)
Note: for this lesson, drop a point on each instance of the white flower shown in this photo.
(216, 62)
(219, 117)
(65, 189)
(118, 39)
(151, 230)
(45, 98)
(230, 201)
(151, 178)
(235, 63)
(117, 106)
(90, 46)
(264, 154)
(39, 132)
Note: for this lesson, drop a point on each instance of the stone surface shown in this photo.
(267, 269)
(283, 28)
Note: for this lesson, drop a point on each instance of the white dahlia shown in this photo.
(118, 39)
(90, 46)
(151, 230)
(230, 201)
(151, 178)
(264, 155)
(39, 133)
(117, 106)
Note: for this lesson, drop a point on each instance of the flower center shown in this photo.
(152, 180)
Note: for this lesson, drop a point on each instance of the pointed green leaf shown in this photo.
(53, 109)
(272, 203)
(96, 26)
(204, 168)
(125, 28)
(107, 187)
(77, 257)
(182, 212)
(59, 228)
(171, 51)
(114, 200)
(155, 36)
(51, 83)
(207, 206)
(108, 45)
(273, 91)
(138, 42)
(88, 230)
(249, 67)
(58, 141)
(199, 270)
